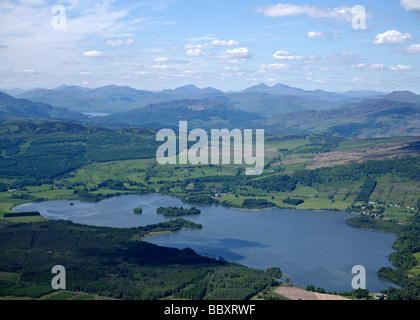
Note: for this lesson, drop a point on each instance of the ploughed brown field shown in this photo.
(293, 293)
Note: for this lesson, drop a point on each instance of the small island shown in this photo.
(177, 212)
(138, 210)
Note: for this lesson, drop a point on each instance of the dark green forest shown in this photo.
(177, 212)
(115, 263)
(51, 149)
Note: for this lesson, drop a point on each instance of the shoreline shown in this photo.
(77, 198)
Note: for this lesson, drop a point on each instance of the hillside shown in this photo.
(198, 113)
(371, 118)
(11, 107)
(49, 149)
(403, 96)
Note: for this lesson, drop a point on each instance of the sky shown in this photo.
(229, 45)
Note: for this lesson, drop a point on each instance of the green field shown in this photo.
(416, 270)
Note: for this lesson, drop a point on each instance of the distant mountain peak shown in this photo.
(280, 85)
(189, 86)
(65, 87)
(192, 89)
(403, 96)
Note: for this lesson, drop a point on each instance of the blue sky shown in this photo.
(229, 45)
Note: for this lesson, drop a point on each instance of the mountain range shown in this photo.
(262, 99)
(279, 109)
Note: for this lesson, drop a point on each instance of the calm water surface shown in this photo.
(310, 247)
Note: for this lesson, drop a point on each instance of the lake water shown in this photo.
(95, 114)
(310, 247)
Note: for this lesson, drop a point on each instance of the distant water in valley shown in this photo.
(95, 114)
(310, 247)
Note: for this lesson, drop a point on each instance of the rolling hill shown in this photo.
(12, 108)
(199, 114)
(368, 119)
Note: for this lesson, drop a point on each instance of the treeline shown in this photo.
(366, 191)
(407, 244)
(402, 167)
(257, 204)
(123, 267)
(177, 212)
(200, 199)
(370, 223)
(278, 183)
(21, 214)
(293, 202)
(104, 154)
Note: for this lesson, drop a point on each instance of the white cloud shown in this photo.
(116, 43)
(392, 37)
(411, 5)
(161, 60)
(92, 54)
(141, 73)
(236, 61)
(414, 48)
(237, 55)
(161, 67)
(343, 58)
(58, 54)
(358, 80)
(284, 55)
(224, 43)
(227, 68)
(274, 67)
(239, 52)
(286, 10)
(400, 67)
(364, 66)
(323, 81)
(314, 34)
(213, 44)
(205, 38)
(129, 41)
(195, 52)
(25, 71)
(195, 46)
